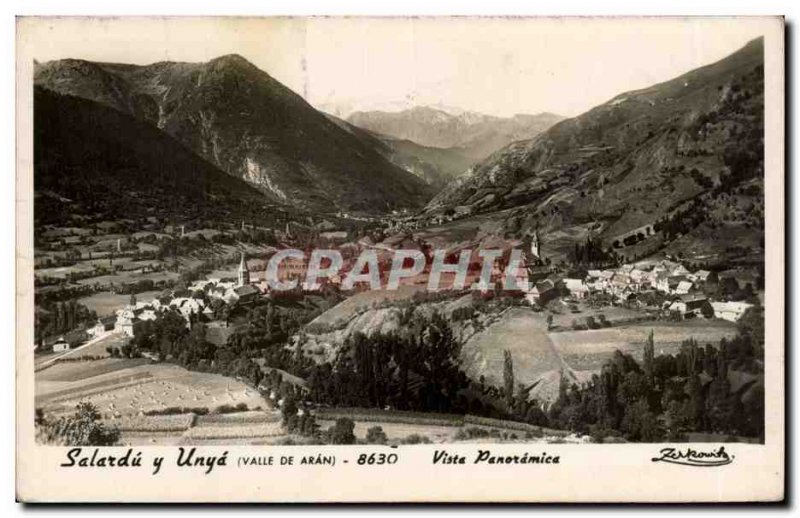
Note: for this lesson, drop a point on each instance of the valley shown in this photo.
(163, 191)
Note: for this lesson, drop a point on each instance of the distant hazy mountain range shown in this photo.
(245, 123)
(473, 135)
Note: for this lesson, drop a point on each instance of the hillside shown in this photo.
(434, 166)
(684, 157)
(474, 135)
(90, 159)
(441, 163)
(249, 125)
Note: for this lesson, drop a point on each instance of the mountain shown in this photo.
(681, 159)
(91, 160)
(475, 134)
(249, 125)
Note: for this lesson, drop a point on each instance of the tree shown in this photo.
(508, 378)
(649, 355)
(342, 431)
(289, 412)
(640, 424)
(83, 428)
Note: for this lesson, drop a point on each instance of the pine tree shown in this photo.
(649, 355)
(508, 378)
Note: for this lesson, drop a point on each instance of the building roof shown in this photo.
(702, 274)
(245, 290)
(693, 297)
(731, 306)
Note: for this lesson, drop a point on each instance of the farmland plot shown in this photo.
(106, 303)
(121, 388)
(234, 431)
(587, 350)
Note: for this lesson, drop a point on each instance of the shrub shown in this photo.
(376, 435)
(172, 410)
(416, 439)
(225, 409)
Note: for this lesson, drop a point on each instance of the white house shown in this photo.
(577, 288)
(683, 288)
(702, 275)
(60, 345)
(540, 292)
(731, 311)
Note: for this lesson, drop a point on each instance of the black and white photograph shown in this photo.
(400, 233)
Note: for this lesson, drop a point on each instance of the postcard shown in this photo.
(401, 259)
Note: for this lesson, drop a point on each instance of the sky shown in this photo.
(498, 66)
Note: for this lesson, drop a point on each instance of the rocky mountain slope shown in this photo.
(475, 135)
(249, 125)
(91, 160)
(684, 157)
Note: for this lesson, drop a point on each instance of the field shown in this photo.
(122, 388)
(522, 332)
(124, 277)
(587, 350)
(106, 303)
(612, 314)
(186, 429)
(84, 370)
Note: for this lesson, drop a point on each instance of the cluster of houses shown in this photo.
(127, 319)
(682, 288)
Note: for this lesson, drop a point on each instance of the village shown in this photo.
(666, 286)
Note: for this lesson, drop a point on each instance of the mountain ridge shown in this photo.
(92, 160)
(676, 149)
(248, 124)
(474, 134)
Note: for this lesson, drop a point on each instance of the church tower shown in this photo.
(535, 245)
(244, 273)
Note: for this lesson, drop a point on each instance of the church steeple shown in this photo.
(244, 273)
(535, 246)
